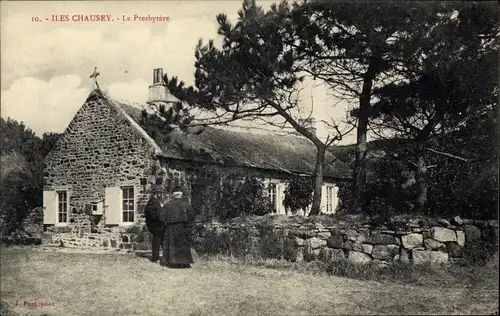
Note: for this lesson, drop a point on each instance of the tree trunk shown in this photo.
(421, 181)
(359, 176)
(318, 180)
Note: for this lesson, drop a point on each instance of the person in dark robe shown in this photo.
(178, 216)
(154, 224)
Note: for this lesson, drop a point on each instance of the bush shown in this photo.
(468, 189)
(385, 194)
(479, 252)
(298, 194)
(20, 237)
(243, 197)
(272, 246)
(214, 244)
(345, 196)
(22, 155)
(227, 196)
(239, 243)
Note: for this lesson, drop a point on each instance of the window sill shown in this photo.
(128, 224)
(61, 224)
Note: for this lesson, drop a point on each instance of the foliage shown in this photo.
(226, 193)
(356, 48)
(298, 194)
(391, 191)
(19, 237)
(480, 252)
(454, 82)
(252, 76)
(243, 197)
(162, 119)
(22, 185)
(466, 188)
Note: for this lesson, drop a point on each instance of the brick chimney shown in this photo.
(158, 93)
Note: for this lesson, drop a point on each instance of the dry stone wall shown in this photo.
(108, 238)
(416, 240)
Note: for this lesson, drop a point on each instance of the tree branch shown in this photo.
(447, 155)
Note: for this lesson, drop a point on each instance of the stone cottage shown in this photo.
(100, 172)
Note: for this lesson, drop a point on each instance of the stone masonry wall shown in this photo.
(417, 240)
(296, 239)
(99, 148)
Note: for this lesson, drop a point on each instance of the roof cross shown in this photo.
(94, 76)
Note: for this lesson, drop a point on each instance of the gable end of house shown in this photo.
(101, 148)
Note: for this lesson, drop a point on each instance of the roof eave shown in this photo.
(274, 170)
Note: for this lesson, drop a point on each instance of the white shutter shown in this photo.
(335, 198)
(280, 197)
(49, 207)
(323, 198)
(113, 205)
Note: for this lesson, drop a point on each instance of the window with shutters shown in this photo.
(330, 199)
(128, 204)
(176, 178)
(62, 207)
(271, 194)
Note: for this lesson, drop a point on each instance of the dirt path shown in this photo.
(80, 283)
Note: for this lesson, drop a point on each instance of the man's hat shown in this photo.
(158, 188)
(177, 189)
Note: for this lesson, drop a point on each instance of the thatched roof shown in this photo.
(286, 154)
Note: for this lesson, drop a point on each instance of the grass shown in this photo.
(405, 274)
(106, 284)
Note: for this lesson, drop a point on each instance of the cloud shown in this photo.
(133, 91)
(46, 66)
(121, 54)
(44, 106)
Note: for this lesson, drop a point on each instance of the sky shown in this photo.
(45, 64)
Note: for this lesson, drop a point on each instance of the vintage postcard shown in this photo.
(249, 157)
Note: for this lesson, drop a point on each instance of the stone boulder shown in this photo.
(335, 241)
(357, 247)
(411, 241)
(421, 256)
(457, 220)
(385, 252)
(356, 236)
(302, 232)
(432, 244)
(367, 248)
(315, 243)
(443, 234)
(299, 241)
(347, 245)
(460, 238)
(472, 233)
(358, 257)
(443, 222)
(324, 234)
(377, 238)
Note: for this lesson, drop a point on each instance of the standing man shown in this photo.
(178, 215)
(154, 224)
